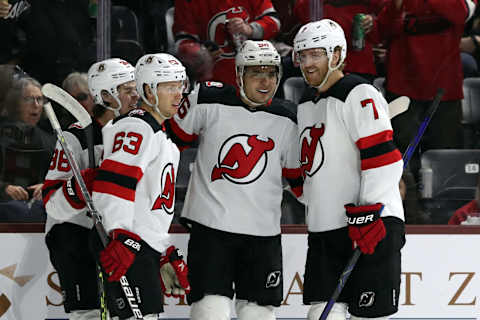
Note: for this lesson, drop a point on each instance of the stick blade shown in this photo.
(398, 106)
(61, 97)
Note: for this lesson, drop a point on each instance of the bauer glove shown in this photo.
(365, 227)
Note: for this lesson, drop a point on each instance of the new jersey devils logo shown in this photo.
(242, 158)
(309, 140)
(217, 31)
(166, 199)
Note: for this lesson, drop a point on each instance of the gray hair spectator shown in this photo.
(76, 84)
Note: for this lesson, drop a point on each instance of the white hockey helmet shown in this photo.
(108, 75)
(257, 53)
(326, 34)
(152, 69)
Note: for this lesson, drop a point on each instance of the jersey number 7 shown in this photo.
(366, 102)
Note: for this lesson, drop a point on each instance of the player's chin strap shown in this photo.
(116, 111)
(155, 106)
(250, 102)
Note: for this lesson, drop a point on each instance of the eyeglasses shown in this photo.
(39, 100)
(81, 97)
(314, 55)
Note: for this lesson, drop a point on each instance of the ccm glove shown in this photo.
(173, 274)
(72, 190)
(365, 227)
(120, 253)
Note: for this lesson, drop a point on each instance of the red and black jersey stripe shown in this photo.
(117, 179)
(295, 180)
(378, 150)
(49, 188)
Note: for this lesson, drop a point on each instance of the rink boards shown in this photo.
(441, 278)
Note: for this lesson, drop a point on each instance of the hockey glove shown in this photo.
(72, 190)
(120, 253)
(173, 274)
(365, 227)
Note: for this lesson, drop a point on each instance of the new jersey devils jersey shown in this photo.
(58, 206)
(205, 20)
(135, 185)
(347, 153)
(236, 181)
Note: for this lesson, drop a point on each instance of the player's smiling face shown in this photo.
(260, 82)
(128, 96)
(314, 64)
(169, 97)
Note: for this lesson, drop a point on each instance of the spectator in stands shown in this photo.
(6, 77)
(76, 84)
(414, 214)
(469, 46)
(423, 55)
(25, 150)
(57, 34)
(469, 213)
(221, 26)
(359, 60)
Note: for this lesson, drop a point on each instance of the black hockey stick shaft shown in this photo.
(100, 280)
(406, 158)
(129, 293)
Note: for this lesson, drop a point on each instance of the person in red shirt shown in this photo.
(360, 62)
(471, 209)
(221, 24)
(423, 55)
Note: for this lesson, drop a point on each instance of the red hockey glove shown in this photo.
(72, 190)
(120, 253)
(365, 227)
(173, 274)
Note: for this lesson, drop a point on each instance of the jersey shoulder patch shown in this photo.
(217, 92)
(143, 115)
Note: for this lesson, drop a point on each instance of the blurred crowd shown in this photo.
(404, 47)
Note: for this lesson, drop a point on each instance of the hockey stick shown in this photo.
(88, 200)
(398, 106)
(64, 99)
(406, 158)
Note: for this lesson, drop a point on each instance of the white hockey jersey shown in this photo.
(347, 153)
(135, 186)
(236, 181)
(59, 207)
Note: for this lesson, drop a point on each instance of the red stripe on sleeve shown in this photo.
(382, 160)
(122, 169)
(298, 191)
(182, 135)
(370, 141)
(114, 190)
(292, 173)
(52, 186)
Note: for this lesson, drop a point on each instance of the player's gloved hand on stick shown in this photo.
(365, 227)
(173, 274)
(72, 190)
(120, 253)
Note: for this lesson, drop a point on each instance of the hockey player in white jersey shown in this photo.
(112, 84)
(247, 140)
(134, 190)
(352, 171)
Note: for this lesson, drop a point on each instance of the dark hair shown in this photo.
(15, 95)
(6, 77)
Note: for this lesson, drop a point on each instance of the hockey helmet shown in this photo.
(257, 53)
(108, 75)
